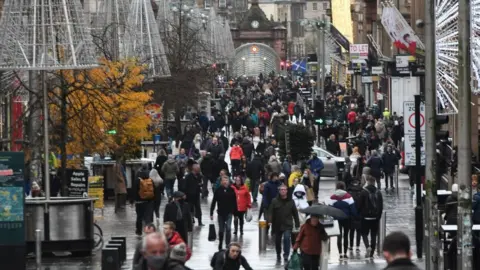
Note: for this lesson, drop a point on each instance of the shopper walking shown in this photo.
(226, 201)
(309, 240)
(342, 200)
(370, 206)
(282, 213)
(244, 202)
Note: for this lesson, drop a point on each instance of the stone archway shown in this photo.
(251, 59)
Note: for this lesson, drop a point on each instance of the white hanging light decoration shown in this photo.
(446, 34)
(109, 18)
(143, 41)
(45, 35)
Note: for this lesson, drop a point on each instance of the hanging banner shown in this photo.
(401, 34)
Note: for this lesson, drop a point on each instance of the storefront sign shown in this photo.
(358, 52)
(78, 180)
(12, 210)
(366, 79)
(402, 64)
(96, 190)
(377, 70)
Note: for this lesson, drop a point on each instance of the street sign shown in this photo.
(409, 130)
(358, 52)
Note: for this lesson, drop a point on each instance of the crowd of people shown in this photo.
(245, 128)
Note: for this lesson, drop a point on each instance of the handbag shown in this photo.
(295, 262)
(248, 215)
(212, 233)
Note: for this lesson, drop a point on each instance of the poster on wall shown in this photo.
(12, 210)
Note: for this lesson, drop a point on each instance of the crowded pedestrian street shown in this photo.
(399, 218)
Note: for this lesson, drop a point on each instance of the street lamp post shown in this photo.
(321, 26)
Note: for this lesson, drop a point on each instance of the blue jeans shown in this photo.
(169, 183)
(287, 235)
(224, 228)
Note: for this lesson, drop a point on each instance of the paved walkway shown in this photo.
(400, 216)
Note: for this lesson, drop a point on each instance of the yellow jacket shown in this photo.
(293, 175)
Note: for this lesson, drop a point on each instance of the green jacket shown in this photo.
(282, 213)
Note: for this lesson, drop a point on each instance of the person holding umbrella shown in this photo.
(309, 240)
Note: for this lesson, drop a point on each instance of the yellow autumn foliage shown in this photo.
(103, 99)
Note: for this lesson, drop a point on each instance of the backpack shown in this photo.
(146, 189)
(215, 256)
(373, 208)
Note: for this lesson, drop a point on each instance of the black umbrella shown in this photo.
(324, 210)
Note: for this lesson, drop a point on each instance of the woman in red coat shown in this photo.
(291, 108)
(244, 202)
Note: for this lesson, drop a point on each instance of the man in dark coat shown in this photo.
(178, 212)
(191, 185)
(206, 166)
(390, 159)
(247, 147)
(256, 172)
(215, 148)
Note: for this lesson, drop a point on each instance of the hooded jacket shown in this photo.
(344, 201)
(295, 174)
(247, 148)
(316, 165)
(363, 202)
(176, 239)
(244, 200)
(300, 197)
(170, 169)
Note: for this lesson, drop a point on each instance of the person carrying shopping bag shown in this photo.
(309, 241)
(244, 203)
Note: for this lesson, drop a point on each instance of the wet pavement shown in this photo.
(400, 216)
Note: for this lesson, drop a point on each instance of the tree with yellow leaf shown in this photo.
(102, 109)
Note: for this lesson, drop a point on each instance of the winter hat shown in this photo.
(179, 253)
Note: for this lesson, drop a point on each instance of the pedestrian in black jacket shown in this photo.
(206, 166)
(215, 148)
(226, 199)
(256, 172)
(390, 159)
(191, 185)
(219, 165)
(178, 212)
(376, 164)
(230, 259)
(370, 207)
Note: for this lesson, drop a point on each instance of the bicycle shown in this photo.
(97, 236)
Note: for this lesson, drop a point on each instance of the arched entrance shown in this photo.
(251, 59)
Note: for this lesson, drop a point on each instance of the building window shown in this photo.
(207, 4)
(314, 6)
(325, 5)
(222, 3)
(305, 6)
